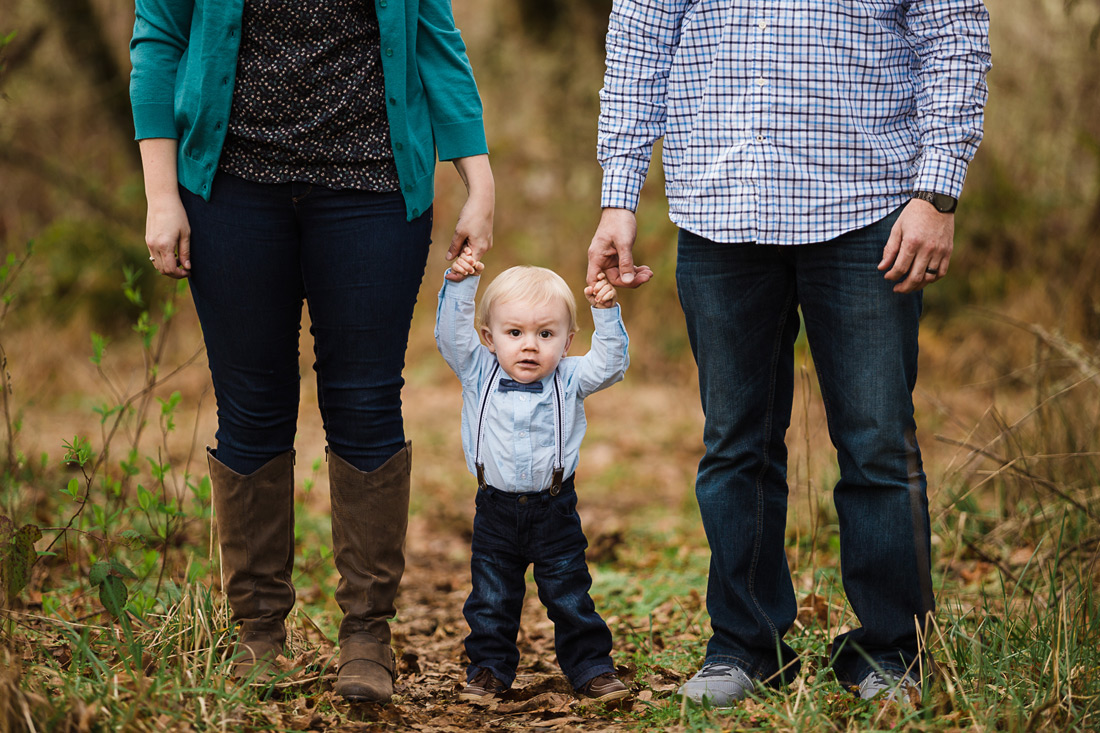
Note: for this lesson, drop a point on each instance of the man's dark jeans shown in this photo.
(258, 250)
(741, 302)
(512, 531)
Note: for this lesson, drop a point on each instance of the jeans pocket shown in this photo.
(564, 506)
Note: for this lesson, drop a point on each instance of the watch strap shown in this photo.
(944, 204)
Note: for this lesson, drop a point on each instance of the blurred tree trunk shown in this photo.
(87, 42)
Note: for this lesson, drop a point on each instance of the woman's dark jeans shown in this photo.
(741, 302)
(512, 532)
(257, 251)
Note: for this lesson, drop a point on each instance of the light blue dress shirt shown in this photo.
(791, 122)
(518, 446)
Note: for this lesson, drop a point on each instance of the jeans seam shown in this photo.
(764, 468)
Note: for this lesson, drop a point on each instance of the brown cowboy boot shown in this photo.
(255, 516)
(370, 513)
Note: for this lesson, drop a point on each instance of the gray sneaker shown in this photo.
(719, 684)
(890, 686)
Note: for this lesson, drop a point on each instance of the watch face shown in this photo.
(943, 203)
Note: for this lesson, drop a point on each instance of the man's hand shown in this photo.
(919, 249)
(611, 251)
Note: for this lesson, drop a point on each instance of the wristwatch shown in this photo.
(944, 204)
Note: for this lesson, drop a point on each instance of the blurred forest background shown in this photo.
(1027, 228)
(1008, 402)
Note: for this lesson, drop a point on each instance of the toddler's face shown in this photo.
(529, 340)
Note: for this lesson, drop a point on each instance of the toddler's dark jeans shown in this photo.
(512, 531)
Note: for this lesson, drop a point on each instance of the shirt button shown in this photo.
(389, 52)
(523, 433)
(762, 24)
(761, 82)
(760, 138)
(523, 398)
(523, 475)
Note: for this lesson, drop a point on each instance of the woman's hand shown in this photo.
(475, 222)
(168, 236)
(167, 232)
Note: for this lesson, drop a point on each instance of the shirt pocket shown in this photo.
(543, 426)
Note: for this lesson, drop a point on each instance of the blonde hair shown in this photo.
(535, 285)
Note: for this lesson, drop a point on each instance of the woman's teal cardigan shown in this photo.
(184, 56)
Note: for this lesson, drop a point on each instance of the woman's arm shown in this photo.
(167, 233)
(475, 221)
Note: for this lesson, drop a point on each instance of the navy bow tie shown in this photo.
(511, 385)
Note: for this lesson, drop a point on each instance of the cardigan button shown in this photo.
(398, 146)
(416, 212)
(389, 52)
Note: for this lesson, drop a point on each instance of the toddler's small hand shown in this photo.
(465, 265)
(601, 294)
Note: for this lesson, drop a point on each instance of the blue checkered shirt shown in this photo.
(791, 121)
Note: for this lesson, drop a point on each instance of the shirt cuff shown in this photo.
(606, 320)
(461, 290)
(154, 120)
(940, 173)
(460, 139)
(621, 189)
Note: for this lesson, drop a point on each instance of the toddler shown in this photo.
(522, 426)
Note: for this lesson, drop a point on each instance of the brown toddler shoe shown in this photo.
(482, 688)
(606, 688)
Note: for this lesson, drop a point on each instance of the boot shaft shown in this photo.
(370, 516)
(255, 520)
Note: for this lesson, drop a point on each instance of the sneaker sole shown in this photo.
(708, 702)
